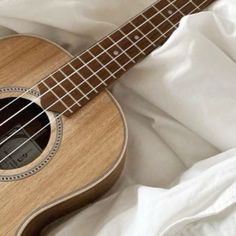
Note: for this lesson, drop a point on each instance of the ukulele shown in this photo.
(62, 134)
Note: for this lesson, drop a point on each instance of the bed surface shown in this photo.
(180, 105)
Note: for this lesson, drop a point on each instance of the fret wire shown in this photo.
(103, 66)
(122, 50)
(154, 25)
(94, 73)
(197, 7)
(134, 44)
(145, 36)
(70, 80)
(168, 19)
(59, 99)
(85, 80)
(172, 4)
(112, 57)
(62, 87)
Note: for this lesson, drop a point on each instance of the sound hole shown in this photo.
(24, 136)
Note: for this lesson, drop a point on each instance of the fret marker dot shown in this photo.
(136, 37)
(170, 12)
(116, 53)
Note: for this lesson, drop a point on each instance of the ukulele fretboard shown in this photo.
(77, 82)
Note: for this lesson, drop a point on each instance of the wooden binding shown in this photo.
(85, 76)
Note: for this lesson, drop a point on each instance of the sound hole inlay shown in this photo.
(25, 132)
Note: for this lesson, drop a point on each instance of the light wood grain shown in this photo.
(90, 157)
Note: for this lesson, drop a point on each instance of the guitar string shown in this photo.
(66, 94)
(59, 115)
(69, 92)
(85, 64)
(80, 56)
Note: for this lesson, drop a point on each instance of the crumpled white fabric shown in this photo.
(180, 105)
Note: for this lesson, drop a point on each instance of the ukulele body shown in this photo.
(82, 158)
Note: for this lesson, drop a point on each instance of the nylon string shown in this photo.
(59, 115)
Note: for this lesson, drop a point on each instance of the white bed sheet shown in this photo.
(180, 105)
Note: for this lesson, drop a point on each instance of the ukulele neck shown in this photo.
(85, 76)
